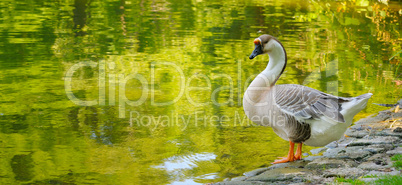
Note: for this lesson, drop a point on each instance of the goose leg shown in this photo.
(290, 156)
(298, 151)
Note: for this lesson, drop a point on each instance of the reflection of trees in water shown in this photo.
(22, 166)
(80, 16)
(98, 123)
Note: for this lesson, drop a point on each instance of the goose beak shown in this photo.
(257, 51)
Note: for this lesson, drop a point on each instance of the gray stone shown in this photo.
(386, 147)
(388, 132)
(368, 179)
(256, 172)
(397, 150)
(318, 179)
(371, 119)
(359, 131)
(380, 159)
(325, 163)
(382, 116)
(380, 173)
(317, 150)
(281, 174)
(321, 180)
(241, 183)
(343, 142)
(375, 140)
(370, 165)
(356, 152)
(311, 158)
(294, 164)
(344, 172)
(241, 178)
(374, 150)
(356, 133)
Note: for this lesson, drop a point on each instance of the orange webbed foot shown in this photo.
(298, 157)
(284, 159)
(290, 156)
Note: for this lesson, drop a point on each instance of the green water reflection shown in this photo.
(193, 53)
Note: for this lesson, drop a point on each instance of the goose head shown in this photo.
(267, 44)
(264, 44)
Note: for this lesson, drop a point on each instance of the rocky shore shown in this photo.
(364, 153)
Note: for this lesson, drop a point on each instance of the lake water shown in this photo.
(150, 92)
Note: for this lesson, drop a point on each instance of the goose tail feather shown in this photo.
(351, 108)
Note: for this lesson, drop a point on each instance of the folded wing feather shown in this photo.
(305, 103)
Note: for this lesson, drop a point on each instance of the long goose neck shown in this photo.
(276, 65)
(267, 78)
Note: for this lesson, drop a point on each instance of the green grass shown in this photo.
(396, 179)
(397, 161)
(351, 181)
(370, 176)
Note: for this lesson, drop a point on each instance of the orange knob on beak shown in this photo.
(258, 48)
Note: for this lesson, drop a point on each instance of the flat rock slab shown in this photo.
(380, 173)
(356, 133)
(374, 149)
(325, 163)
(359, 131)
(282, 174)
(343, 142)
(382, 116)
(368, 179)
(295, 164)
(241, 183)
(256, 172)
(377, 165)
(344, 172)
(380, 159)
(397, 150)
(312, 158)
(241, 178)
(317, 150)
(388, 132)
(375, 140)
(356, 152)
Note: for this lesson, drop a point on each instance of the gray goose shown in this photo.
(296, 113)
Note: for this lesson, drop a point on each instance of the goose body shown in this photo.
(296, 113)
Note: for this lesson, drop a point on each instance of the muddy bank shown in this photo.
(363, 153)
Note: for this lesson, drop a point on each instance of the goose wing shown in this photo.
(305, 103)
